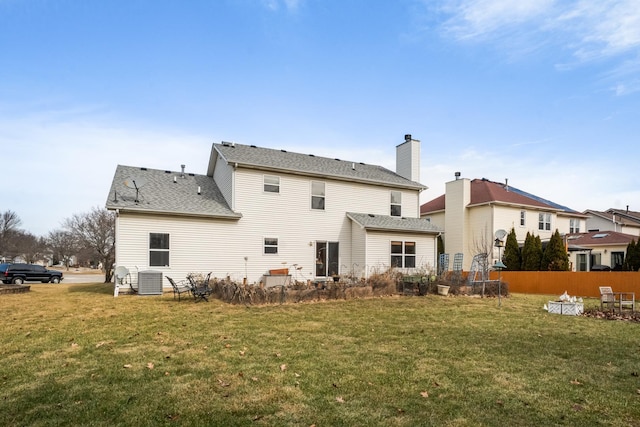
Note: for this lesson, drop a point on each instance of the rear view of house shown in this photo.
(259, 209)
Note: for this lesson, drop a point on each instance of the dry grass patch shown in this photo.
(74, 355)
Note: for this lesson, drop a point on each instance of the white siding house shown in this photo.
(471, 211)
(260, 209)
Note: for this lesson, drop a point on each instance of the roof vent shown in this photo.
(182, 173)
(457, 174)
(252, 146)
(407, 137)
(143, 169)
(353, 166)
(372, 215)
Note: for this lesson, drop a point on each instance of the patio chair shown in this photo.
(619, 300)
(200, 291)
(179, 288)
(607, 297)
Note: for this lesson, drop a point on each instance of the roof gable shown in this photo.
(250, 156)
(484, 191)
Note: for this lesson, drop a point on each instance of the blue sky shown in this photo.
(545, 93)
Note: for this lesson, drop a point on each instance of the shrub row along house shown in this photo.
(260, 209)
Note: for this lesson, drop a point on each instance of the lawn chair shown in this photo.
(619, 300)
(200, 291)
(179, 288)
(122, 277)
(607, 298)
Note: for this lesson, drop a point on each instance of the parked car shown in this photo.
(599, 267)
(20, 273)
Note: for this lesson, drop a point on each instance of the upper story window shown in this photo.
(403, 254)
(271, 184)
(158, 249)
(270, 245)
(523, 216)
(574, 225)
(317, 195)
(396, 203)
(544, 221)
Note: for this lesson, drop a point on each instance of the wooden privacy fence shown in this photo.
(583, 284)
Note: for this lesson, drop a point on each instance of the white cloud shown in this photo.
(588, 28)
(289, 5)
(473, 18)
(62, 162)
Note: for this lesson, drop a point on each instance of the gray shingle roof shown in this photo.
(160, 194)
(393, 223)
(307, 164)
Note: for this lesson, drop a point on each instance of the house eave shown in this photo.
(130, 209)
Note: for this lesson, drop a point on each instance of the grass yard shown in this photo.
(74, 355)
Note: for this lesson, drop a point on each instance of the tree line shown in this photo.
(87, 238)
(554, 257)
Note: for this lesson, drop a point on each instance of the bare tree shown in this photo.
(31, 248)
(95, 230)
(9, 223)
(63, 245)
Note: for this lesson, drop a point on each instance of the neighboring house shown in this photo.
(597, 248)
(619, 220)
(260, 209)
(471, 211)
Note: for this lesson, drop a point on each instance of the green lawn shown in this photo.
(74, 355)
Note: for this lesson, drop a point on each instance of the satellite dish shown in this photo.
(136, 184)
(500, 234)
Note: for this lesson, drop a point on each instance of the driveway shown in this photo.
(82, 278)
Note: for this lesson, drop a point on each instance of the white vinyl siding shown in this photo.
(203, 245)
(223, 177)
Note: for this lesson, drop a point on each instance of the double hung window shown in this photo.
(544, 221)
(159, 249)
(396, 203)
(271, 184)
(270, 245)
(317, 195)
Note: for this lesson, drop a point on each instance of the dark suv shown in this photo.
(20, 273)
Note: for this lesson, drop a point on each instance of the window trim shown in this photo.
(319, 196)
(574, 225)
(266, 245)
(396, 204)
(544, 221)
(166, 250)
(523, 218)
(403, 255)
(265, 184)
